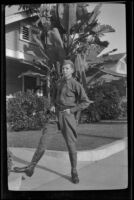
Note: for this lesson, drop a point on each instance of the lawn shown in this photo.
(89, 137)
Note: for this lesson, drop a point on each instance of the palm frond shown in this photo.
(101, 29)
(95, 13)
(81, 10)
(32, 8)
(32, 53)
(67, 15)
(42, 63)
(56, 37)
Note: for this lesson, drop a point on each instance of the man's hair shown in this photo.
(66, 62)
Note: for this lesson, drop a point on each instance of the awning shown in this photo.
(33, 74)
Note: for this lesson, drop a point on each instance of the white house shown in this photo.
(18, 36)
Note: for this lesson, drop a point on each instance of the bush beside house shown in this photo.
(26, 111)
(123, 107)
(109, 102)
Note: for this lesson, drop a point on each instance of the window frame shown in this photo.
(30, 40)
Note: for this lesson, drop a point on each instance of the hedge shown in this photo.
(27, 111)
(106, 106)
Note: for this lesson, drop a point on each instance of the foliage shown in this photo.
(66, 29)
(26, 111)
(121, 86)
(123, 107)
(106, 103)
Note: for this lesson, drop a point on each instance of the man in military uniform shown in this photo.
(69, 97)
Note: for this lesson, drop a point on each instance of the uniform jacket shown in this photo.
(70, 94)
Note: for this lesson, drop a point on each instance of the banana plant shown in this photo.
(67, 31)
(75, 20)
(68, 26)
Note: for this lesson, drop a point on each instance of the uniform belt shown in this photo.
(62, 108)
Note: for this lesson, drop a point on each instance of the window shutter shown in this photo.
(25, 33)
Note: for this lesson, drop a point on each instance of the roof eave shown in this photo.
(17, 17)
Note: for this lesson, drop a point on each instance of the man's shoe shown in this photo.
(20, 169)
(75, 178)
(28, 170)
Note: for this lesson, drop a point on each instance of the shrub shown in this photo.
(121, 85)
(123, 107)
(106, 103)
(26, 111)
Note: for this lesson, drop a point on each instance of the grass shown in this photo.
(87, 137)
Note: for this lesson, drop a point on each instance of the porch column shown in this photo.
(23, 84)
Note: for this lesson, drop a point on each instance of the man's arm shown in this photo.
(83, 101)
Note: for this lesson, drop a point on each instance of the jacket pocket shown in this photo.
(70, 94)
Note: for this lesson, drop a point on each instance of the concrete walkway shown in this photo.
(102, 168)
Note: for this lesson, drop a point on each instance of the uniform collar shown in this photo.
(67, 80)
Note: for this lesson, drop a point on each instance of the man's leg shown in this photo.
(68, 126)
(42, 145)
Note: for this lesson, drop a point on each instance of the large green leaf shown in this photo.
(101, 29)
(81, 10)
(55, 54)
(29, 7)
(42, 63)
(32, 53)
(40, 44)
(94, 50)
(55, 51)
(37, 40)
(95, 13)
(55, 38)
(67, 15)
(80, 69)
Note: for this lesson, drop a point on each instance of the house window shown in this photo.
(29, 83)
(35, 84)
(26, 31)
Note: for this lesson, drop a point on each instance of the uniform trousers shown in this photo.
(67, 123)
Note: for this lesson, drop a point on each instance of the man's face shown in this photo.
(67, 71)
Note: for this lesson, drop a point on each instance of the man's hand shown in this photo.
(52, 109)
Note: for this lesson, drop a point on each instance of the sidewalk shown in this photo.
(106, 171)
